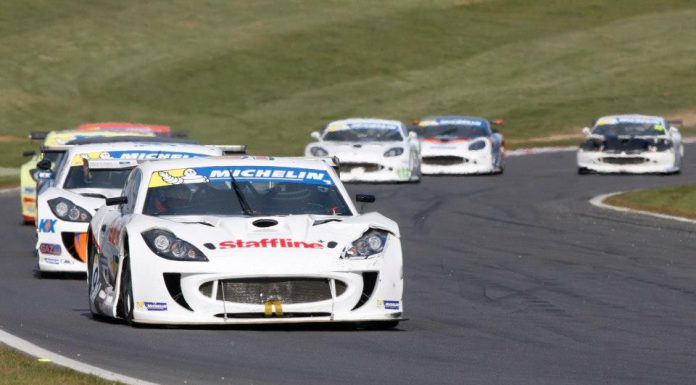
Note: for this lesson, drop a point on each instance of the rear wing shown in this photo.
(38, 135)
(110, 164)
(230, 149)
(59, 148)
(331, 161)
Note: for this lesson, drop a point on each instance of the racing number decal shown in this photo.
(114, 234)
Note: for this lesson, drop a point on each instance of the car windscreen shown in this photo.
(447, 131)
(78, 177)
(629, 129)
(364, 135)
(243, 191)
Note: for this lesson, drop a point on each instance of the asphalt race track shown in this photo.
(512, 279)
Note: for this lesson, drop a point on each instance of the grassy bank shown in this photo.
(19, 369)
(268, 73)
(679, 200)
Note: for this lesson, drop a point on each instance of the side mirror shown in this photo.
(115, 201)
(673, 130)
(28, 153)
(413, 135)
(586, 130)
(316, 135)
(44, 164)
(365, 198)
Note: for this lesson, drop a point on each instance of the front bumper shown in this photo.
(641, 163)
(169, 292)
(62, 246)
(376, 170)
(467, 162)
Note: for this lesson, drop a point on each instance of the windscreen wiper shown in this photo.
(240, 196)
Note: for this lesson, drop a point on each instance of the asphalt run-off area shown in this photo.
(510, 279)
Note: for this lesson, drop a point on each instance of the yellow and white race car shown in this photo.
(52, 151)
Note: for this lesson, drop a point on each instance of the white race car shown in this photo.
(233, 241)
(90, 174)
(460, 145)
(631, 144)
(370, 150)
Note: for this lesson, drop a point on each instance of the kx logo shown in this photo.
(273, 306)
(47, 225)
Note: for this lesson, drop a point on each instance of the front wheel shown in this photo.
(583, 171)
(126, 291)
(92, 278)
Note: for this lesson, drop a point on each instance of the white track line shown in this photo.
(598, 201)
(33, 350)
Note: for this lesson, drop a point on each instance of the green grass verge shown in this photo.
(267, 73)
(679, 200)
(19, 369)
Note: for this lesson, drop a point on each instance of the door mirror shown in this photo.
(413, 135)
(316, 135)
(116, 201)
(586, 130)
(365, 198)
(44, 164)
(673, 130)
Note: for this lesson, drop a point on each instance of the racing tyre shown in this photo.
(583, 171)
(92, 277)
(126, 291)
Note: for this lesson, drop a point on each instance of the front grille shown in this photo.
(368, 167)
(261, 290)
(632, 160)
(444, 160)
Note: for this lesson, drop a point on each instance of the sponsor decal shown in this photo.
(47, 225)
(114, 234)
(403, 172)
(52, 261)
(280, 243)
(391, 305)
(630, 120)
(151, 306)
(453, 122)
(28, 190)
(133, 154)
(351, 125)
(49, 248)
(240, 174)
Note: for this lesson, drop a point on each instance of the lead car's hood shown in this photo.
(292, 233)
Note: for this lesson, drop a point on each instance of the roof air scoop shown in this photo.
(265, 222)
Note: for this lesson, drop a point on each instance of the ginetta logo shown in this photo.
(281, 243)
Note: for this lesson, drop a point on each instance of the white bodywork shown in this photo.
(366, 161)
(166, 291)
(651, 157)
(453, 155)
(61, 244)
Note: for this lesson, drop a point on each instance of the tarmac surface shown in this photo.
(510, 279)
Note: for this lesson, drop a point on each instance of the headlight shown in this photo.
(396, 151)
(592, 144)
(368, 245)
(477, 145)
(318, 151)
(68, 211)
(168, 246)
(662, 145)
